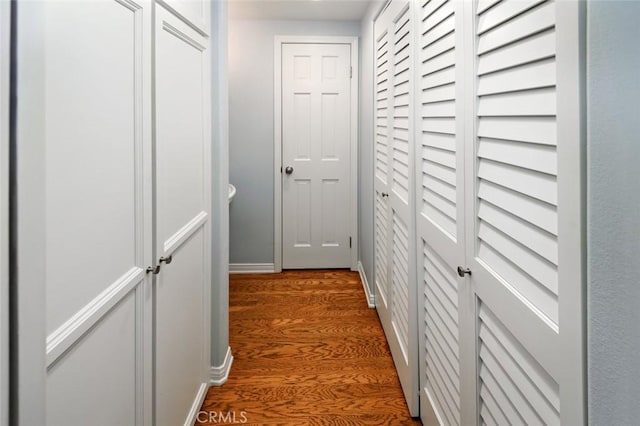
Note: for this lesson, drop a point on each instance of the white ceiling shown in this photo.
(329, 10)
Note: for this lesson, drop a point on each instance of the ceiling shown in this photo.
(319, 10)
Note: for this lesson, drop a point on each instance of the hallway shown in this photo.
(307, 351)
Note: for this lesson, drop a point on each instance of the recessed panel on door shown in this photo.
(100, 371)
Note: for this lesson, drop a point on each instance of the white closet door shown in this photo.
(381, 167)
(382, 137)
(444, 314)
(398, 310)
(182, 287)
(98, 212)
(519, 207)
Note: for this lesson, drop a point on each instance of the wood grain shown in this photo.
(308, 351)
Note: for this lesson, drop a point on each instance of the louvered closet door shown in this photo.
(522, 192)
(444, 299)
(381, 159)
(395, 273)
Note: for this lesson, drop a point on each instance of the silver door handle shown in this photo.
(288, 170)
(166, 260)
(155, 270)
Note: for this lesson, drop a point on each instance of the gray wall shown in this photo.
(613, 78)
(251, 128)
(220, 176)
(367, 146)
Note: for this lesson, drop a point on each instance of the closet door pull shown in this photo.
(385, 195)
(155, 270)
(166, 260)
(463, 271)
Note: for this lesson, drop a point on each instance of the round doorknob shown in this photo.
(288, 170)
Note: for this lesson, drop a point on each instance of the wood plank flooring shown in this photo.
(308, 351)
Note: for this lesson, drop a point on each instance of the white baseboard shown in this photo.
(218, 375)
(197, 404)
(371, 298)
(251, 268)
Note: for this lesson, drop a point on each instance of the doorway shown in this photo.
(316, 119)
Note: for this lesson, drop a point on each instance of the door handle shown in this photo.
(155, 270)
(385, 195)
(288, 170)
(463, 271)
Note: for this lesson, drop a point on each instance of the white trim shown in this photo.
(371, 297)
(197, 404)
(277, 140)
(5, 67)
(184, 233)
(199, 25)
(29, 401)
(572, 207)
(71, 332)
(218, 375)
(251, 268)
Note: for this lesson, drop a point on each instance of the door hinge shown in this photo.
(280, 169)
(349, 242)
(350, 72)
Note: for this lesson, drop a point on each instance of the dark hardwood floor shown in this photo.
(308, 351)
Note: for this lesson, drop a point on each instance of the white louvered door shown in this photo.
(523, 246)
(497, 172)
(395, 245)
(444, 315)
(381, 168)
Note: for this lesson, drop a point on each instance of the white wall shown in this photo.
(251, 128)
(367, 145)
(613, 78)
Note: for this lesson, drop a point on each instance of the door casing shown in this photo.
(277, 137)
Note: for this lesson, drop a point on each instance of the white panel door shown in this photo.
(182, 286)
(395, 245)
(316, 135)
(523, 214)
(444, 313)
(98, 212)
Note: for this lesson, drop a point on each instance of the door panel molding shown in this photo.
(279, 41)
(73, 330)
(193, 13)
(179, 238)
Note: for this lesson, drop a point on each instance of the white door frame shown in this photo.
(5, 70)
(277, 138)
